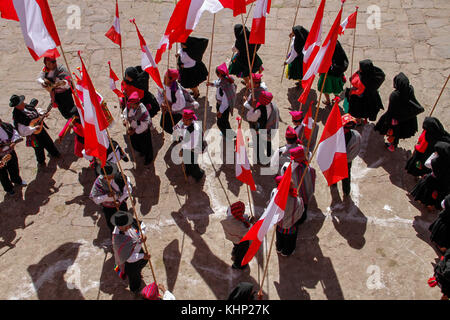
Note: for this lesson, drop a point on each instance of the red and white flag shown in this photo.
(95, 123)
(243, 171)
(322, 60)
(112, 81)
(114, 32)
(308, 123)
(273, 214)
(79, 88)
(306, 85)
(349, 22)
(186, 16)
(38, 27)
(147, 62)
(258, 33)
(332, 153)
(314, 39)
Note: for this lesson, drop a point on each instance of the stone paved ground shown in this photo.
(54, 243)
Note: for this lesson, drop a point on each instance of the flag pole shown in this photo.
(209, 71)
(248, 58)
(353, 47)
(132, 203)
(445, 84)
(250, 201)
(290, 39)
(267, 264)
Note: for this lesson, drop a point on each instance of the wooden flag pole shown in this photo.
(445, 84)
(132, 203)
(290, 40)
(248, 58)
(353, 48)
(209, 71)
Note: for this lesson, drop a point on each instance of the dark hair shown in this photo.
(291, 140)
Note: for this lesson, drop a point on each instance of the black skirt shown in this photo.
(416, 164)
(403, 130)
(440, 232)
(192, 77)
(430, 191)
(168, 124)
(365, 106)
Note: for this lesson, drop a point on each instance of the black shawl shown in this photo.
(339, 62)
(441, 164)
(372, 77)
(262, 120)
(435, 130)
(240, 42)
(301, 34)
(403, 104)
(195, 47)
(243, 292)
(139, 76)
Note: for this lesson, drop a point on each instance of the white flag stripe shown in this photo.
(90, 117)
(314, 67)
(328, 147)
(116, 25)
(272, 215)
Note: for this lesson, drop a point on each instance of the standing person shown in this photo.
(440, 228)
(235, 227)
(22, 116)
(239, 65)
(334, 84)
(400, 120)
(442, 275)
(75, 124)
(258, 87)
(173, 100)
(189, 61)
(306, 190)
(189, 133)
(226, 98)
(287, 228)
(352, 145)
(57, 81)
(282, 155)
(299, 127)
(127, 246)
(433, 132)
(294, 60)
(434, 187)
(140, 122)
(266, 116)
(363, 97)
(101, 194)
(136, 80)
(9, 169)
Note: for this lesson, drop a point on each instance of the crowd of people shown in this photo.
(177, 107)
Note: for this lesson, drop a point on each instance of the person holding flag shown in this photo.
(190, 65)
(303, 126)
(294, 62)
(282, 155)
(140, 122)
(239, 65)
(225, 96)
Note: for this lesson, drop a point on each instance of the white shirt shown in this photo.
(25, 131)
(144, 125)
(292, 54)
(116, 190)
(187, 61)
(253, 114)
(135, 255)
(179, 105)
(4, 139)
(222, 99)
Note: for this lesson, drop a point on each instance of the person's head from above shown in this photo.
(17, 102)
(256, 78)
(297, 117)
(131, 74)
(171, 76)
(188, 117)
(291, 135)
(349, 122)
(122, 220)
(109, 171)
(298, 154)
(133, 100)
(222, 71)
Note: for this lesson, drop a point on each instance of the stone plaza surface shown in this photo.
(54, 242)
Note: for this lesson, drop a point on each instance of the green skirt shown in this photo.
(333, 84)
(240, 68)
(295, 69)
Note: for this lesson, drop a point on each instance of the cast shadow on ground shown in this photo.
(307, 266)
(172, 260)
(66, 148)
(374, 154)
(48, 274)
(293, 94)
(217, 274)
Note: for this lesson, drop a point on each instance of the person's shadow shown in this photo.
(110, 283)
(66, 148)
(48, 274)
(172, 260)
(294, 94)
(217, 274)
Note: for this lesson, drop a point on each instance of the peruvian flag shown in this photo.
(114, 32)
(349, 22)
(258, 33)
(112, 81)
(38, 27)
(147, 62)
(322, 60)
(306, 85)
(243, 171)
(308, 123)
(273, 214)
(95, 123)
(332, 153)
(314, 39)
(79, 88)
(186, 16)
